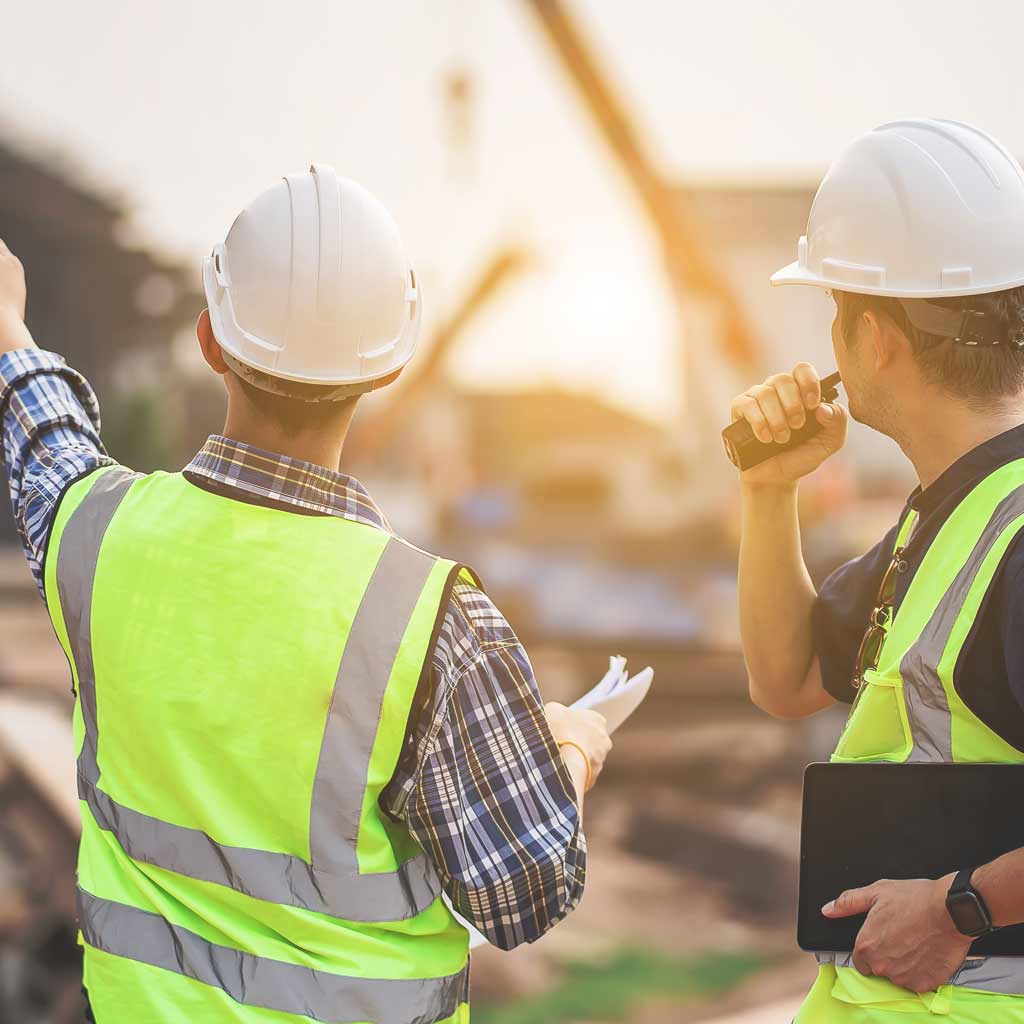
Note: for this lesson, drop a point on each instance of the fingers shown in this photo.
(7, 256)
(863, 961)
(770, 403)
(779, 405)
(851, 902)
(806, 379)
(790, 399)
(745, 407)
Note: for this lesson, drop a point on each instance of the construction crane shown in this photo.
(381, 430)
(690, 273)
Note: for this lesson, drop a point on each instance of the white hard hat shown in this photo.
(916, 209)
(313, 286)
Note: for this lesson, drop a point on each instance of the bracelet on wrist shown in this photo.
(586, 760)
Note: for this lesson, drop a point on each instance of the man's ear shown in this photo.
(208, 344)
(885, 341)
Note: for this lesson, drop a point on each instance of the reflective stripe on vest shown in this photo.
(331, 883)
(1002, 974)
(926, 701)
(928, 657)
(147, 938)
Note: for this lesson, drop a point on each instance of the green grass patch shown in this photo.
(608, 989)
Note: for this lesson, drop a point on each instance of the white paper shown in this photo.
(616, 696)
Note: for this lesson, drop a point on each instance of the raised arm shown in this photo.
(775, 589)
(50, 420)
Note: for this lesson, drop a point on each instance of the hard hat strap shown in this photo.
(299, 390)
(972, 327)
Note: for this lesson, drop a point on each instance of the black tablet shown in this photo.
(863, 822)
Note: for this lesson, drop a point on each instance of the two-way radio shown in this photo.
(745, 449)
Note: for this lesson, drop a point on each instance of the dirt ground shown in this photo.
(693, 838)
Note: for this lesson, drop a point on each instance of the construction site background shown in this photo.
(558, 430)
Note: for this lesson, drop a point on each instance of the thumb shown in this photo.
(830, 414)
(832, 417)
(851, 902)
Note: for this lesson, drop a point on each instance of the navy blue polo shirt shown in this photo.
(989, 675)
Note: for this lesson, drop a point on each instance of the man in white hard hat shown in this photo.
(294, 730)
(917, 231)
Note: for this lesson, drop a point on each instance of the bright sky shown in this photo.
(189, 108)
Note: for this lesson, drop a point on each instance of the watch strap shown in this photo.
(962, 882)
(962, 886)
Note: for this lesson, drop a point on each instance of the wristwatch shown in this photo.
(967, 908)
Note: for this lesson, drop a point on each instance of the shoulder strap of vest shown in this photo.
(943, 601)
(906, 529)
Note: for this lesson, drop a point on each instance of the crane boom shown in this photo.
(503, 265)
(683, 252)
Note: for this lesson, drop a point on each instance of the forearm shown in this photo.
(1001, 884)
(513, 866)
(50, 422)
(576, 766)
(487, 794)
(776, 600)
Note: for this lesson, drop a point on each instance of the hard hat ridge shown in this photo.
(312, 287)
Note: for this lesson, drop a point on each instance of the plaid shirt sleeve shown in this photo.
(487, 794)
(51, 424)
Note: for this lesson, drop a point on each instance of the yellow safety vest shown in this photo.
(245, 678)
(908, 710)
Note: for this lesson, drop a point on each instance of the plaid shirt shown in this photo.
(482, 786)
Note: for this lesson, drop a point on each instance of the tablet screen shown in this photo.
(865, 822)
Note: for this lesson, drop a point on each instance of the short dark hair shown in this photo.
(975, 374)
(294, 415)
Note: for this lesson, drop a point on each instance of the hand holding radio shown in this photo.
(786, 427)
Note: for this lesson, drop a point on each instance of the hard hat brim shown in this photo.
(796, 274)
(241, 344)
(793, 273)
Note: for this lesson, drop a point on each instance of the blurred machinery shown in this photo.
(686, 251)
(40, 966)
(401, 404)
(711, 318)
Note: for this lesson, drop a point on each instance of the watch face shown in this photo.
(968, 914)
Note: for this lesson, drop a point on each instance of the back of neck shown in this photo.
(319, 448)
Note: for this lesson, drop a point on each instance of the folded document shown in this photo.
(617, 696)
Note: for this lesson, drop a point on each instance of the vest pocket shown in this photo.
(877, 729)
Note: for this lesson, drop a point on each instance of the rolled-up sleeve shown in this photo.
(51, 438)
(489, 798)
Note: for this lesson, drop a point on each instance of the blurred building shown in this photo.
(108, 306)
(567, 468)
